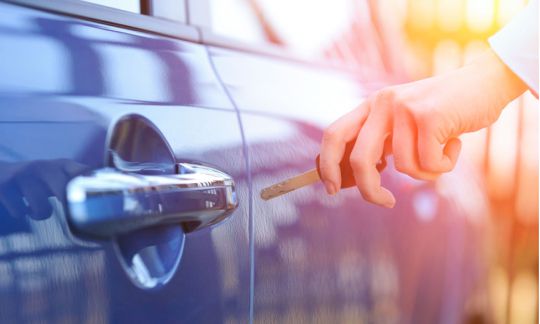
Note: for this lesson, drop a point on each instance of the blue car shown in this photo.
(134, 143)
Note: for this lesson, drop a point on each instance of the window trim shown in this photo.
(115, 17)
(188, 32)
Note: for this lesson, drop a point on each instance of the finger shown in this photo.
(405, 150)
(364, 157)
(333, 144)
(452, 150)
(433, 156)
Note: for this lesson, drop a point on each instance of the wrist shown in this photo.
(488, 85)
(499, 82)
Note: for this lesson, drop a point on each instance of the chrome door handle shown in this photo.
(108, 202)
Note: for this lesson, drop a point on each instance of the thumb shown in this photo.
(436, 157)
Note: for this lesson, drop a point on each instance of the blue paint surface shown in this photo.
(303, 257)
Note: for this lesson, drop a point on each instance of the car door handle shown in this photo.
(109, 202)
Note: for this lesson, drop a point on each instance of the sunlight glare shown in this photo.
(449, 14)
(480, 14)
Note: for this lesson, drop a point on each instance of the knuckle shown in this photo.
(324, 160)
(421, 118)
(403, 107)
(402, 166)
(323, 168)
(426, 117)
(429, 176)
(426, 175)
(430, 165)
(421, 175)
(385, 96)
(330, 134)
(426, 163)
(326, 172)
(358, 163)
(327, 175)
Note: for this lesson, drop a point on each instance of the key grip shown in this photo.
(347, 175)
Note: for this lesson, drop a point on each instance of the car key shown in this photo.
(313, 175)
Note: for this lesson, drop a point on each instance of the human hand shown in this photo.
(419, 123)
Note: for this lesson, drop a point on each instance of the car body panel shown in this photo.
(65, 82)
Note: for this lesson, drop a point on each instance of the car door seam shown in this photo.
(245, 150)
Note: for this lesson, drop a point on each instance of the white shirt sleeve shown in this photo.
(517, 45)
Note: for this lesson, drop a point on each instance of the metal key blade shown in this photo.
(290, 184)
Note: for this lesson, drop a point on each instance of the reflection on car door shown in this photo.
(65, 83)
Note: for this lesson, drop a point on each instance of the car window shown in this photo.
(299, 24)
(168, 9)
(338, 29)
(127, 5)
(236, 19)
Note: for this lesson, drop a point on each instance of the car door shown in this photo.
(79, 97)
(322, 259)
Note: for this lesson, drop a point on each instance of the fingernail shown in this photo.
(391, 203)
(330, 188)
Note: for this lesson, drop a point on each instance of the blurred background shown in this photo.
(424, 38)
